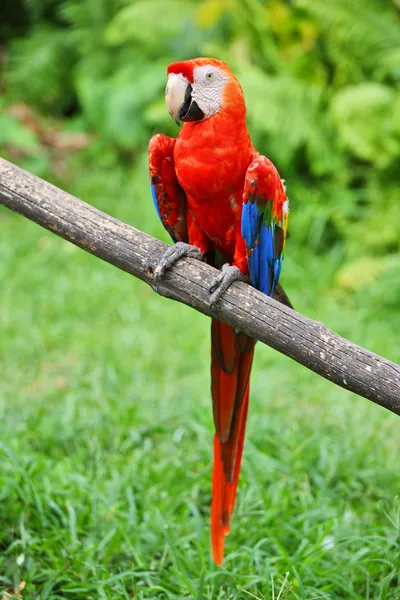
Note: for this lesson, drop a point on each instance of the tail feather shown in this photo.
(224, 492)
(231, 360)
(224, 363)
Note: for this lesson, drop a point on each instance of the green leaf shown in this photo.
(150, 20)
(40, 68)
(361, 273)
(367, 117)
(12, 132)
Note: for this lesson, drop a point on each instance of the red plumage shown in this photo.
(201, 182)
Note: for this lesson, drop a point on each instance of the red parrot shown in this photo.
(221, 201)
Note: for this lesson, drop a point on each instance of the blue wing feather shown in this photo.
(250, 223)
(266, 245)
(259, 237)
(253, 261)
(154, 196)
(259, 228)
(155, 202)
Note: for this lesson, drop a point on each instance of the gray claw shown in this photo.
(227, 276)
(172, 255)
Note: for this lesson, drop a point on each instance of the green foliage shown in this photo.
(11, 129)
(39, 69)
(163, 18)
(371, 103)
(362, 38)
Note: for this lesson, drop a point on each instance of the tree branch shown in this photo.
(308, 342)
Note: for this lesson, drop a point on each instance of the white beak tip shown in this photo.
(175, 95)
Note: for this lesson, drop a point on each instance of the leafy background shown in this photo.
(82, 87)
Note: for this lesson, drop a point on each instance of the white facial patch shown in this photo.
(208, 86)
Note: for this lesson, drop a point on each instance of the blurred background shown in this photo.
(105, 419)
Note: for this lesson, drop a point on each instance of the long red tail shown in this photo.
(231, 360)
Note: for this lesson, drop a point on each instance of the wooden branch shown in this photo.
(308, 342)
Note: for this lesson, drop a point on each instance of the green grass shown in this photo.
(106, 434)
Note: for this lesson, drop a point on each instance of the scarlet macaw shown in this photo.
(221, 201)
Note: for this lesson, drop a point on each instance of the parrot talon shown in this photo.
(172, 255)
(223, 281)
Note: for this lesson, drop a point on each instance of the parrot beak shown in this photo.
(178, 98)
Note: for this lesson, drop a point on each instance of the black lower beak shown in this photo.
(190, 110)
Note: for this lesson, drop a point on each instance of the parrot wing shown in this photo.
(264, 223)
(168, 196)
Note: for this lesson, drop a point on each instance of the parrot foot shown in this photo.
(172, 255)
(228, 275)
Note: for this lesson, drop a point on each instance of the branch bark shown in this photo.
(308, 342)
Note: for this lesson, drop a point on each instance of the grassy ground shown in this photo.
(106, 436)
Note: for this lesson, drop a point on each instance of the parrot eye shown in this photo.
(210, 75)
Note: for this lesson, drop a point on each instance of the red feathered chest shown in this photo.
(211, 159)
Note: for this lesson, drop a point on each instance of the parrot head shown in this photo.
(199, 88)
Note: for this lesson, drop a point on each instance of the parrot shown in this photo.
(222, 202)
